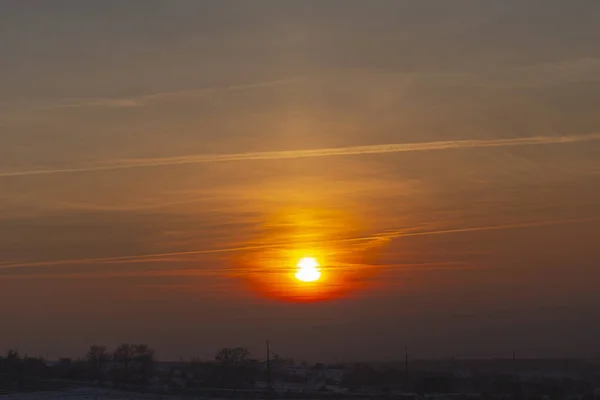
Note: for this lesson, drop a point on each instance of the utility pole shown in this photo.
(517, 388)
(268, 366)
(514, 363)
(406, 365)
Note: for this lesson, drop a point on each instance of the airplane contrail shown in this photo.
(146, 99)
(291, 154)
(228, 270)
(383, 236)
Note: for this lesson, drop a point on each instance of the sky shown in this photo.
(165, 164)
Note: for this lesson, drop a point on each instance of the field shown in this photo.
(81, 394)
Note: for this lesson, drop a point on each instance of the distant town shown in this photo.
(132, 371)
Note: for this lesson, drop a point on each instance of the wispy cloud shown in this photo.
(143, 100)
(190, 273)
(380, 238)
(135, 101)
(291, 154)
(399, 233)
(549, 73)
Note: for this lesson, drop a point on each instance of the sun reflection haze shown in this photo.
(309, 255)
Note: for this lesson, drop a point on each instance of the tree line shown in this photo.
(131, 364)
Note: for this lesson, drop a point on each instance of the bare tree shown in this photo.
(12, 355)
(233, 356)
(97, 359)
(234, 368)
(124, 355)
(135, 362)
(13, 365)
(144, 358)
(143, 354)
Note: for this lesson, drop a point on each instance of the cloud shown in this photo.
(137, 101)
(548, 74)
(190, 273)
(325, 152)
(127, 102)
(398, 234)
(380, 238)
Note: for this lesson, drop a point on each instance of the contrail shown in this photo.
(229, 270)
(326, 152)
(383, 236)
(400, 234)
(142, 100)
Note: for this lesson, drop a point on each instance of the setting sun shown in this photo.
(307, 262)
(308, 270)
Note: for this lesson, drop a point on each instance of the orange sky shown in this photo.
(164, 165)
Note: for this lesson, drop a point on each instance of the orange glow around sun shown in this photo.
(288, 274)
(306, 256)
(291, 275)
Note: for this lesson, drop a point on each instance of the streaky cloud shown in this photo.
(399, 234)
(139, 100)
(292, 154)
(142, 100)
(381, 238)
(442, 265)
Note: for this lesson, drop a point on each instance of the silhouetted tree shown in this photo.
(199, 373)
(123, 357)
(13, 367)
(97, 359)
(144, 358)
(134, 363)
(19, 373)
(71, 370)
(12, 355)
(232, 356)
(234, 367)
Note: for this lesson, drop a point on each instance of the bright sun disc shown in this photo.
(308, 270)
